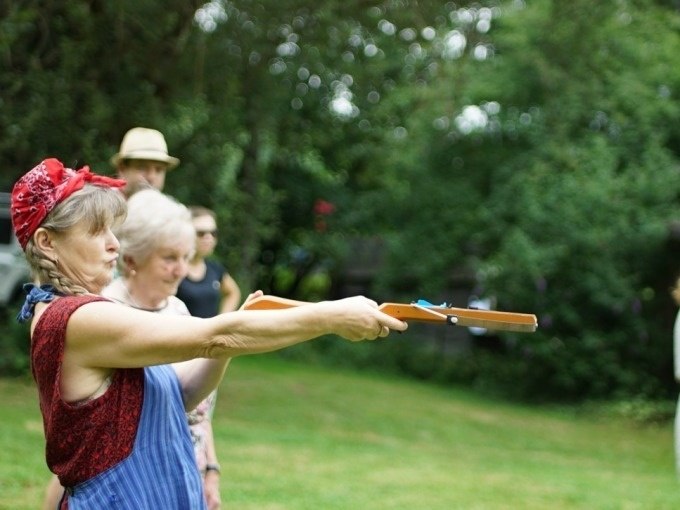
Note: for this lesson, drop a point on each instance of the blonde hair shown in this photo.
(97, 206)
(198, 211)
(153, 220)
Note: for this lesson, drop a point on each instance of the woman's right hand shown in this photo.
(358, 318)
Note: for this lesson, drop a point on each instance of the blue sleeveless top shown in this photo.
(160, 473)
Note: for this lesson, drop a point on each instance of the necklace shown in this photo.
(134, 304)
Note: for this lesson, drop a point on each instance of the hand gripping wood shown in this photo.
(469, 317)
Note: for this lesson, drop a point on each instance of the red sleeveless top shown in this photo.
(85, 439)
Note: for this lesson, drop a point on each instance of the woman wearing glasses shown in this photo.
(208, 288)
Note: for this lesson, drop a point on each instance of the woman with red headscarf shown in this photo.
(112, 405)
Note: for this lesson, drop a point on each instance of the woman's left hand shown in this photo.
(250, 297)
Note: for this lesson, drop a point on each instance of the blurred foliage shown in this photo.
(561, 202)
(530, 145)
(15, 343)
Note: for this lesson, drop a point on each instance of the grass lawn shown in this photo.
(296, 437)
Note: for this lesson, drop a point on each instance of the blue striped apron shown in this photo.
(161, 471)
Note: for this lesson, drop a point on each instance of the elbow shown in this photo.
(224, 346)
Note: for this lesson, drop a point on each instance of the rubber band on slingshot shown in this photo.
(450, 319)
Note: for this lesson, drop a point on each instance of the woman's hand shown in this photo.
(358, 318)
(250, 297)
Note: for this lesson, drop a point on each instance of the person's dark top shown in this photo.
(203, 297)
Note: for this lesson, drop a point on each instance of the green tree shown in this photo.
(76, 75)
(557, 191)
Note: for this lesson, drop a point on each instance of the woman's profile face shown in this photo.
(86, 258)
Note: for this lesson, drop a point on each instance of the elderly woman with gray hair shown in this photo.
(113, 381)
(157, 241)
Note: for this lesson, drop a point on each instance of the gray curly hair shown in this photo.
(153, 220)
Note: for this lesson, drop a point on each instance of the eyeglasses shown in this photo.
(203, 233)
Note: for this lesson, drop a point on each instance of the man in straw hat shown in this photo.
(143, 159)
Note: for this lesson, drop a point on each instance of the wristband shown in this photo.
(213, 467)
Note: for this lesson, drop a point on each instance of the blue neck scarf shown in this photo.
(34, 295)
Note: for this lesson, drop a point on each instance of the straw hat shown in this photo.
(144, 143)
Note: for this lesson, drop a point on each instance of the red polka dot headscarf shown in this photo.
(42, 188)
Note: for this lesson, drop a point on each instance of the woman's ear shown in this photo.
(43, 240)
(130, 265)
